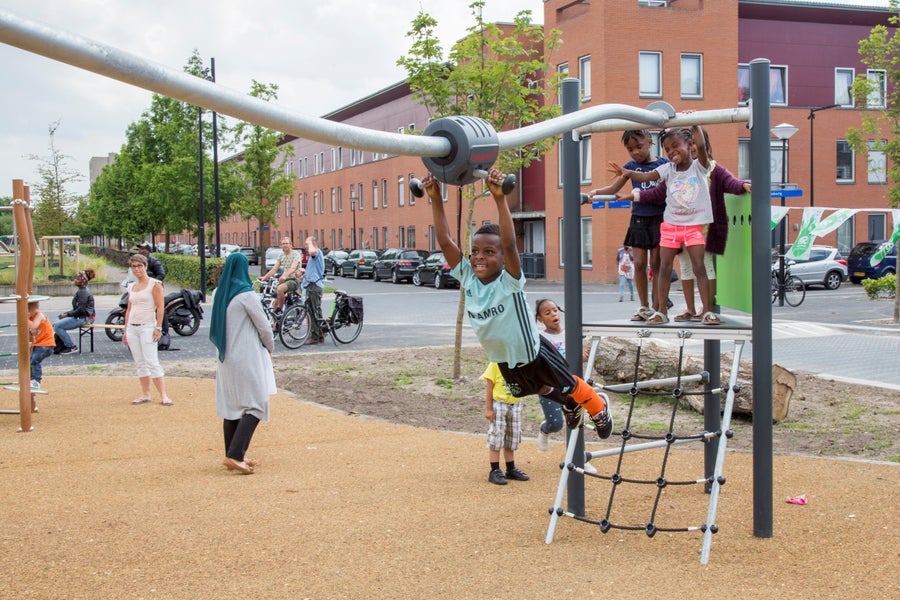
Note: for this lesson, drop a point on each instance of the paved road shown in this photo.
(836, 333)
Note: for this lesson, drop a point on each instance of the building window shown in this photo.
(877, 165)
(585, 149)
(334, 159)
(878, 81)
(401, 193)
(384, 189)
(411, 236)
(584, 77)
(375, 238)
(877, 226)
(691, 75)
(359, 201)
(384, 238)
(333, 201)
(563, 70)
(650, 74)
(352, 157)
(845, 238)
(402, 236)
(585, 248)
(315, 203)
(412, 197)
(374, 193)
(777, 84)
(306, 166)
(843, 79)
(844, 162)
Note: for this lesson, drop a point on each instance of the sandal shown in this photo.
(167, 402)
(641, 314)
(698, 317)
(140, 400)
(685, 316)
(711, 318)
(658, 318)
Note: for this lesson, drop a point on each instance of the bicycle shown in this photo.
(267, 296)
(344, 324)
(791, 288)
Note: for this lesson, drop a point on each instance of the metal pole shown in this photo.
(201, 244)
(782, 234)
(812, 148)
(571, 250)
(761, 261)
(212, 73)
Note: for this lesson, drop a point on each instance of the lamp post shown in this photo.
(291, 215)
(353, 210)
(812, 148)
(783, 132)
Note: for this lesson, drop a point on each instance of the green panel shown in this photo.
(733, 269)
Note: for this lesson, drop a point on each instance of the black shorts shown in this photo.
(643, 232)
(549, 368)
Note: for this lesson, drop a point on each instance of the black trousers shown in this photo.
(238, 433)
(314, 308)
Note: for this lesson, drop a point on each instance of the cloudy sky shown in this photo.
(323, 55)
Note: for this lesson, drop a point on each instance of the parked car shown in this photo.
(251, 254)
(860, 267)
(436, 271)
(825, 266)
(272, 254)
(398, 264)
(359, 264)
(333, 261)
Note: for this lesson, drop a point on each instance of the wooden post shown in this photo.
(24, 278)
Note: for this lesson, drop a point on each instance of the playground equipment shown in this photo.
(457, 150)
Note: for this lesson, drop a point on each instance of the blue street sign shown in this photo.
(786, 193)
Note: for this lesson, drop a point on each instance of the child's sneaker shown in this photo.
(497, 477)
(543, 439)
(574, 416)
(516, 474)
(603, 420)
(35, 384)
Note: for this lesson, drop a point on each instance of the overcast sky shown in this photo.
(322, 54)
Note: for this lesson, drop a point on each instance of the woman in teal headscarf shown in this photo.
(243, 337)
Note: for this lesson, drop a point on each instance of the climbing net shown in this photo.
(631, 441)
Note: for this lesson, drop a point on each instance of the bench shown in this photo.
(88, 330)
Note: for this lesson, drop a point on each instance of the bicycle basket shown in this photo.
(355, 304)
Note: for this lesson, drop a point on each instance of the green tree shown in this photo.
(54, 205)
(880, 126)
(260, 170)
(495, 73)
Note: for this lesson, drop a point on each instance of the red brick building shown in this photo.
(691, 54)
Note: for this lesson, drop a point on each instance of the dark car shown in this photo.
(333, 261)
(860, 266)
(250, 253)
(398, 264)
(358, 263)
(435, 270)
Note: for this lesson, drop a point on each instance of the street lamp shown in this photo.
(291, 214)
(783, 132)
(812, 148)
(353, 210)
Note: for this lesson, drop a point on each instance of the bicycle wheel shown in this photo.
(342, 328)
(294, 327)
(774, 288)
(794, 291)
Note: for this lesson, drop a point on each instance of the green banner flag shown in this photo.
(802, 245)
(884, 248)
(778, 213)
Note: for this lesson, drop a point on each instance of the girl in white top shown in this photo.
(688, 210)
(143, 328)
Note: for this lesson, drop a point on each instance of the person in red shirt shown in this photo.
(41, 330)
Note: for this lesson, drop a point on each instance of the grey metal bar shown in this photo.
(571, 171)
(578, 118)
(761, 209)
(716, 487)
(624, 387)
(700, 117)
(561, 488)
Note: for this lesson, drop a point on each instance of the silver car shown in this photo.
(825, 266)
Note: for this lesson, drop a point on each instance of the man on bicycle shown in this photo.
(290, 278)
(313, 283)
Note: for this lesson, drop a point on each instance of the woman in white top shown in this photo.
(143, 328)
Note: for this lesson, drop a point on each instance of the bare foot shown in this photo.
(236, 465)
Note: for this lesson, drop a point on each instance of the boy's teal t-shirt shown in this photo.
(498, 312)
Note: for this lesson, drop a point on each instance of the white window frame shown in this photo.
(876, 99)
(412, 197)
(691, 61)
(744, 69)
(584, 77)
(842, 96)
(374, 193)
(584, 149)
(852, 175)
(586, 249)
(401, 193)
(650, 83)
(384, 193)
(876, 163)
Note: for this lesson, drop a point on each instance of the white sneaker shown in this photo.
(589, 468)
(35, 384)
(543, 439)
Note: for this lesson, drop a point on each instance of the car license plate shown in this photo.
(860, 273)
